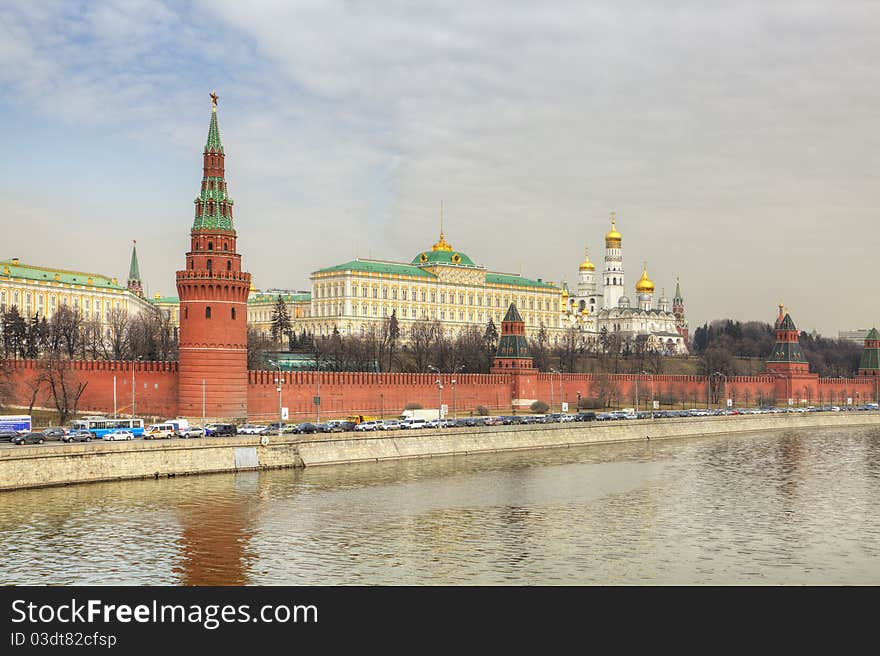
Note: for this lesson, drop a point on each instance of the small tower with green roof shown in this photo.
(787, 357)
(869, 365)
(134, 285)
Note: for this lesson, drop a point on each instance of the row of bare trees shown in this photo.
(147, 335)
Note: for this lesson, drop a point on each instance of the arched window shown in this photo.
(186, 313)
(208, 312)
(225, 246)
(190, 264)
(233, 314)
(210, 265)
(229, 265)
(210, 245)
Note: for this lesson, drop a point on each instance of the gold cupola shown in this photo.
(586, 265)
(442, 244)
(644, 285)
(613, 237)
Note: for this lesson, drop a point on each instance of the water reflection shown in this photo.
(785, 508)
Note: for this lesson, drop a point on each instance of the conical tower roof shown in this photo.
(512, 314)
(213, 143)
(134, 271)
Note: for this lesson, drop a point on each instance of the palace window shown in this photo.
(433, 297)
(375, 292)
(424, 295)
(394, 294)
(403, 294)
(385, 292)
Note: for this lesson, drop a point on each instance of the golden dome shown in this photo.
(644, 285)
(613, 237)
(564, 293)
(442, 244)
(586, 265)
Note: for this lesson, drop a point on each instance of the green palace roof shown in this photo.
(378, 266)
(9, 269)
(273, 298)
(452, 258)
(513, 279)
(165, 299)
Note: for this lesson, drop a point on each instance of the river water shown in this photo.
(763, 508)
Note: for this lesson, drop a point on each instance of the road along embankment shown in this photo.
(38, 466)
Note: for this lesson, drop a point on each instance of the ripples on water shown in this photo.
(759, 508)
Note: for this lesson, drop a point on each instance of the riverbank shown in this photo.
(63, 464)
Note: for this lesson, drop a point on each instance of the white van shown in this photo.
(413, 422)
(160, 432)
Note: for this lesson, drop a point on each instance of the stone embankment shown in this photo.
(39, 466)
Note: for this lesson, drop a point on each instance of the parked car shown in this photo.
(324, 428)
(77, 436)
(336, 426)
(192, 431)
(371, 425)
(28, 438)
(306, 428)
(7, 436)
(220, 430)
(253, 429)
(390, 424)
(346, 426)
(585, 416)
(160, 432)
(416, 422)
(119, 434)
(55, 434)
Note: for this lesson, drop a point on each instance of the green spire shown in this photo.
(134, 272)
(677, 296)
(214, 129)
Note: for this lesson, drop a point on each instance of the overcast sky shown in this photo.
(737, 141)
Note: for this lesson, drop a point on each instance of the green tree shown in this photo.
(281, 325)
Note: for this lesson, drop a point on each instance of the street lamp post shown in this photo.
(203, 403)
(552, 371)
(133, 360)
(279, 381)
(645, 373)
(453, 381)
(382, 405)
(114, 397)
(440, 396)
(637, 393)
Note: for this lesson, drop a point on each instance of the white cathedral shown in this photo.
(592, 312)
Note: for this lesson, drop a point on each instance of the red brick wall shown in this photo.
(371, 393)
(155, 386)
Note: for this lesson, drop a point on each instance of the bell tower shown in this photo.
(213, 293)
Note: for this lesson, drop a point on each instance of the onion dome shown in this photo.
(586, 265)
(644, 285)
(623, 302)
(442, 244)
(443, 253)
(613, 237)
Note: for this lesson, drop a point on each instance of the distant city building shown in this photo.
(854, 336)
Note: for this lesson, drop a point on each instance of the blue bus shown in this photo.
(20, 423)
(100, 426)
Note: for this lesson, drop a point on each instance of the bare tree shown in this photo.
(65, 385)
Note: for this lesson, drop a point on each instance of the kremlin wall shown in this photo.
(211, 377)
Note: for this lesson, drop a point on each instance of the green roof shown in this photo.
(512, 314)
(376, 266)
(787, 352)
(165, 299)
(134, 272)
(786, 323)
(273, 298)
(873, 334)
(515, 280)
(213, 142)
(452, 258)
(32, 272)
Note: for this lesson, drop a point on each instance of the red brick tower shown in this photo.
(213, 293)
(513, 357)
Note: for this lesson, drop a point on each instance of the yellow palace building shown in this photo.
(440, 284)
(39, 291)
